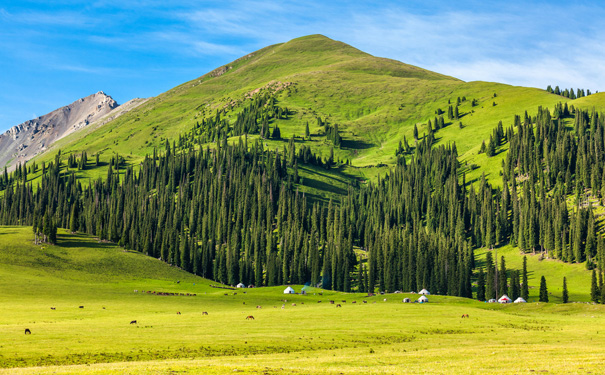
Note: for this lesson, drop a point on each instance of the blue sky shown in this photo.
(52, 54)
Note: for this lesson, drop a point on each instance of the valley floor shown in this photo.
(310, 338)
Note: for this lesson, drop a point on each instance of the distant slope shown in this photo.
(24, 141)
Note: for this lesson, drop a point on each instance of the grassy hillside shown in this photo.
(380, 336)
(375, 102)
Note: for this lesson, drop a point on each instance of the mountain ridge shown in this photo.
(24, 141)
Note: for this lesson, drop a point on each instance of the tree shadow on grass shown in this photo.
(75, 240)
(320, 185)
(356, 144)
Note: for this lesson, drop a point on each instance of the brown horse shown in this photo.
(249, 317)
(27, 331)
(178, 313)
(465, 315)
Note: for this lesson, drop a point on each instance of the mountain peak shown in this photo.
(22, 142)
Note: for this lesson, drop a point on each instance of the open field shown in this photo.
(374, 337)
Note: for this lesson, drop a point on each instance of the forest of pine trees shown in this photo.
(233, 214)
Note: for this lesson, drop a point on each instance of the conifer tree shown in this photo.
(481, 285)
(525, 285)
(565, 295)
(543, 290)
(502, 284)
(594, 288)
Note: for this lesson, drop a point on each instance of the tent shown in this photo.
(289, 290)
(424, 292)
(240, 285)
(504, 299)
(423, 299)
(407, 300)
(520, 300)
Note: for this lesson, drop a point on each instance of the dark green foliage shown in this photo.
(594, 288)
(565, 295)
(481, 285)
(543, 290)
(524, 284)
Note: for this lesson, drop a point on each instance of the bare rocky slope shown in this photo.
(24, 141)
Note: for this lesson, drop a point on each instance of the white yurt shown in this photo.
(240, 285)
(424, 292)
(504, 299)
(520, 300)
(491, 301)
(407, 300)
(423, 299)
(289, 290)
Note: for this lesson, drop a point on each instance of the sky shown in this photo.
(53, 53)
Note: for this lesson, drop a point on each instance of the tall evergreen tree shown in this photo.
(543, 290)
(525, 284)
(565, 295)
(594, 288)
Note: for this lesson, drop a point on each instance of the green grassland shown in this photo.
(375, 101)
(375, 337)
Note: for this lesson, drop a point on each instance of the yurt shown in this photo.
(240, 285)
(491, 301)
(407, 300)
(504, 299)
(289, 290)
(423, 299)
(520, 300)
(424, 292)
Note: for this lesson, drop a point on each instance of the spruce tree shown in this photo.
(565, 295)
(481, 285)
(594, 288)
(525, 285)
(502, 287)
(543, 290)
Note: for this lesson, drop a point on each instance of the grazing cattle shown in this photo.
(259, 307)
(235, 294)
(283, 306)
(133, 322)
(249, 317)
(204, 313)
(331, 302)
(354, 302)
(465, 315)
(365, 301)
(27, 331)
(103, 307)
(293, 304)
(338, 305)
(318, 301)
(81, 307)
(244, 303)
(178, 313)
(344, 300)
(53, 308)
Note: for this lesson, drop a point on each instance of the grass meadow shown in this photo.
(383, 335)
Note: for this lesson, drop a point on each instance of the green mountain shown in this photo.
(208, 175)
(375, 102)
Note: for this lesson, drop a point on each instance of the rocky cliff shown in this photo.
(24, 141)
